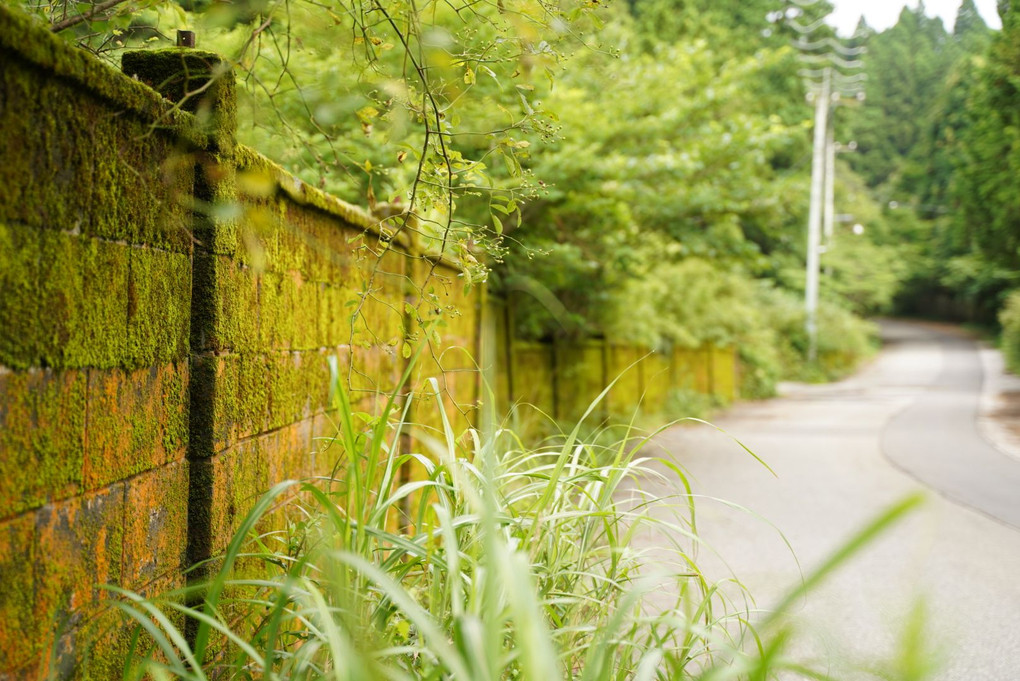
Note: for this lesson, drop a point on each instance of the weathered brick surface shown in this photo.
(138, 420)
(158, 307)
(156, 525)
(79, 547)
(42, 432)
(20, 626)
(237, 477)
(291, 452)
(71, 161)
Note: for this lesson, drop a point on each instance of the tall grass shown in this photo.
(515, 563)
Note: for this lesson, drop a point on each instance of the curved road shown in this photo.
(844, 451)
(936, 439)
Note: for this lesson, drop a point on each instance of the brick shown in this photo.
(240, 401)
(158, 300)
(79, 548)
(298, 385)
(42, 432)
(82, 301)
(98, 651)
(259, 244)
(238, 476)
(137, 421)
(336, 305)
(156, 529)
(236, 291)
(289, 308)
(19, 304)
(20, 628)
(289, 453)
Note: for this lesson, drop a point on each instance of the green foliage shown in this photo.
(685, 403)
(905, 66)
(514, 563)
(936, 144)
(1009, 318)
(988, 188)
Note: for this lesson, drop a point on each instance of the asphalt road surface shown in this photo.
(843, 452)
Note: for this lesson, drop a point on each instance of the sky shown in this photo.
(881, 14)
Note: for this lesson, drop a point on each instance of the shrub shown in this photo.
(1009, 318)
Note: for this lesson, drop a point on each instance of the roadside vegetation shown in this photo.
(509, 562)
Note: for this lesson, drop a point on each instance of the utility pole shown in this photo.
(828, 215)
(831, 71)
(818, 163)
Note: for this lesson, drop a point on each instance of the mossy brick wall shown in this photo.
(95, 284)
(160, 367)
(298, 278)
(559, 380)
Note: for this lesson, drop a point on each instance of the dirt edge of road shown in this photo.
(999, 420)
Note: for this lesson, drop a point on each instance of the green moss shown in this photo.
(176, 402)
(202, 407)
(24, 39)
(201, 82)
(20, 629)
(240, 399)
(82, 301)
(155, 535)
(73, 161)
(298, 385)
(158, 308)
(19, 304)
(305, 320)
(273, 320)
(238, 476)
(258, 230)
(141, 183)
(42, 424)
(236, 292)
(137, 421)
(217, 221)
(290, 312)
(335, 309)
(79, 548)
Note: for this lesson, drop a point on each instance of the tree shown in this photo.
(988, 176)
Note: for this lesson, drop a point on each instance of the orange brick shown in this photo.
(156, 527)
(79, 548)
(137, 421)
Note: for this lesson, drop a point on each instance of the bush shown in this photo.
(1009, 318)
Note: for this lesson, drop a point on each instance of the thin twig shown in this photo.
(85, 16)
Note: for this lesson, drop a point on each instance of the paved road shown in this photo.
(841, 453)
(936, 439)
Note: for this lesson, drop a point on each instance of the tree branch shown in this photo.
(85, 16)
